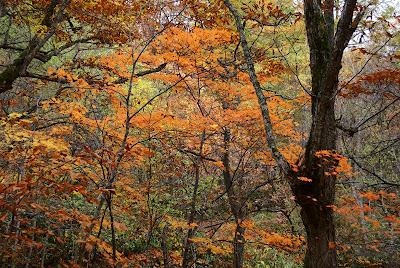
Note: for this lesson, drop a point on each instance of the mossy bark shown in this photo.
(19, 67)
(12, 72)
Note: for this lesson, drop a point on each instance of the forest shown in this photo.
(208, 133)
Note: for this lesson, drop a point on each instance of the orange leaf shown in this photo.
(89, 247)
(305, 179)
(149, 153)
(220, 164)
(122, 227)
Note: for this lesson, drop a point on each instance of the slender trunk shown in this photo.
(31, 247)
(392, 229)
(148, 242)
(357, 197)
(17, 233)
(238, 245)
(98, 236)
(96, 215)
(43, 258)
(188, 256)
(81, 247)
(164, 246)
(113, 240)
(234, 202)
(361, 214)
(151, 219)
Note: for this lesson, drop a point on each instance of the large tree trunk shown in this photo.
(315, 199)
(320, 231)
(317, 196)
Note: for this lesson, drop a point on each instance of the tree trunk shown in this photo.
(188, 255)
(356, 187)
(113, 239)
(164, 246)
(238, 245)
(316, 197)
(234, 202)
(320, 229)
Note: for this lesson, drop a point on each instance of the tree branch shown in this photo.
(20, 65)
(155, 70)
(279, 158)
(373, 173)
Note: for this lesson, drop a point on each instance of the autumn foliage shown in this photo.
(131, 136)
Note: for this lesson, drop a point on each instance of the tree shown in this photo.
(130, 135)
(326, 50)
(54, 28)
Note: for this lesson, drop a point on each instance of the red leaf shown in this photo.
(89, 247)
(3, 217)
(391, 218)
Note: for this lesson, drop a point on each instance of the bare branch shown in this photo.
(157, 69)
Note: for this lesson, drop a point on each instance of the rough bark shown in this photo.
(315, 198)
